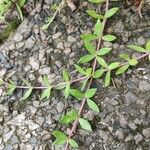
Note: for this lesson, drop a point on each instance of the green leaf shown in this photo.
(27, 94)
(113, 65)
(1, 82)
(111, 12)
(11, 89)
(60, 142)
(22, 3)
(84, 84)
(133, 62)
(65, 75)
(60, 86)
(104, 51)
(125, 56)
(96, 1)
(98, 73)
(59, 135)
(148, 46)
(90, 48)
(90, 93)
(69, 117)
(92, 105)
(89, 72)
(46, 81)
(137, 48)
(77, 94)
(73, 143)
(67, 91)
(89, 37)
(49, 21)
(85, 124)
(107, 79)
(54, 7)
(86, 58)
(98, 28)
(27, 83)
(102, 62)
(46, 93)
(80, 70)
(93, 14)
(108, 38)
(122, 69)
(19, 11)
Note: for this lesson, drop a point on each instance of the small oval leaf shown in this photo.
(86, 58)
(77, 94)
(107, 79)
(111, 12)
(98, 73)
(137, 48)
(113, 65)
(122, 69)
(104, 51)
(73, 143)
(27, 94)
(85, 124)
(92, 105)
(102, 62)
(90, 93)
(108, 38)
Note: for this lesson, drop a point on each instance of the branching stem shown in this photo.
(90, 82)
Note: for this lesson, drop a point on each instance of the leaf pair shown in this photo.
(69, 117)
(47, 92)
(88, 94)
(87, 72)
(11, 87)
(108, 14)
(62, 138)
(29, 91)
(131, 62)
(79, 95)
(141, 49)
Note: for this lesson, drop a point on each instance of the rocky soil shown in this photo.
(30, 53)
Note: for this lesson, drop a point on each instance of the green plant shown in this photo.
(100, 68)
(5, 6)
(19, 6)
(53, 8)
(11, 27)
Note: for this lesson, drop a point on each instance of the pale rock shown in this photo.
(56, 35)
(71, 39)
(18, 120)
(34, 63)
(138, 138)
(7, 136)
(31, 125)
(146, 132)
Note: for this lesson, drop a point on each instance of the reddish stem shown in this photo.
(44, 87)
(90, 82)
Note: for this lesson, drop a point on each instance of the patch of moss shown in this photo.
(10, 28)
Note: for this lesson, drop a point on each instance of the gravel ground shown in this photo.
(30, 53)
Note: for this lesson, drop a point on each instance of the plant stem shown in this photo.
(44, 87)
(126, 63)
(74, 80)
(90, 82)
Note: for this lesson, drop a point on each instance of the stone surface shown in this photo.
(30, 53)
